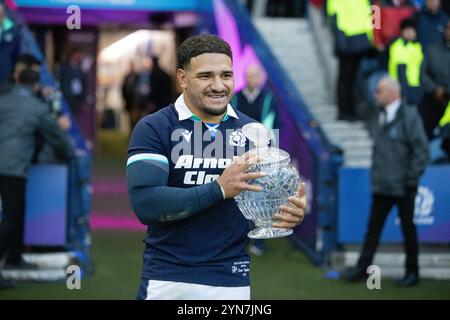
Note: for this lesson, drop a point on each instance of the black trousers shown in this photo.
(381, 206)
(348, 68)
(12, 193)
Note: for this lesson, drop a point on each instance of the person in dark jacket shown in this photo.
(435, 77)
(257, 101)
(431, 23)
(400, 155)
(160, 87)
(9, 45)
(73, 81)
(23, 116)
(130, 96)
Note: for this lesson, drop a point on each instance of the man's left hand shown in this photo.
(292, 215)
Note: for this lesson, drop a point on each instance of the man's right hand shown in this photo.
(233, 179)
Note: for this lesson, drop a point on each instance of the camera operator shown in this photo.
(24, 116)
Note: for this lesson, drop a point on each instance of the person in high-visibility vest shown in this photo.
(446, 117)
(351, 22)
(404, 59)
(444, 124)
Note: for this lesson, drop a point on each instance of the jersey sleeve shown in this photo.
(147, 176)
(148, 141)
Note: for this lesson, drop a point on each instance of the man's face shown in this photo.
(253, 78)
(383, 94)
(208, 83)
(409, 34)
(433, 5)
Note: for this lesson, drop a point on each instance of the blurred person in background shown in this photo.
(52, 98)
(73, 81)
(130, 95)
(400, 155)
(25, 61)
(48, 94)
(350, 20)
(9, 45)
(160, 86)
(435, 76)
(431, 23)
(403, 59)
(23, 117)
(257, 102)
(144, 87)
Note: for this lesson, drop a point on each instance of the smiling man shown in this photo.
(196, 239)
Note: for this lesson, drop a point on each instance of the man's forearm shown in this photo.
(153, 201)
(163, 204)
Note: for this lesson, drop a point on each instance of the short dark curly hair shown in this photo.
(197, 45)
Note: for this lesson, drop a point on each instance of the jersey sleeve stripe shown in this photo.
(147, 156)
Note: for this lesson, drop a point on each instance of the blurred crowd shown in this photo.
(411, 44)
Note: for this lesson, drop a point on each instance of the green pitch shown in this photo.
(284, 273)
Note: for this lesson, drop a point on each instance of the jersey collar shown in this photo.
(184, 112)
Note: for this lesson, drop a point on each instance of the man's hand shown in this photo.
(439, 95)
(233, 179)
(292, 215)
(64, 122)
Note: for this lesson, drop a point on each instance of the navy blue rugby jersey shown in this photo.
(209, 247)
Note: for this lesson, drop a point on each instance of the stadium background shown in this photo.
(114, 259)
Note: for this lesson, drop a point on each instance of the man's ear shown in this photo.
(181, 76)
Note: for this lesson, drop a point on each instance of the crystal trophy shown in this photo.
(281, 182)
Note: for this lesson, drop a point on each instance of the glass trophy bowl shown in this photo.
(281, 182)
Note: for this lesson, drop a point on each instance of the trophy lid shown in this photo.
(261, 136)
